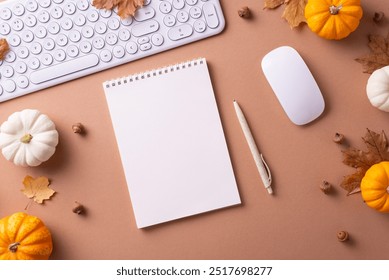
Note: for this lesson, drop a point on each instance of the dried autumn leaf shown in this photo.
(377, 151)
(4, 48)
(125, 8)
(37, 189)
(379, 54)
(294, 10)
(272, 4)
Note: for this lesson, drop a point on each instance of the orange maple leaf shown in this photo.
(125, 8)
(37, 189)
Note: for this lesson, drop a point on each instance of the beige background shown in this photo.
(298, 222)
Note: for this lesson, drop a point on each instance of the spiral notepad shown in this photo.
(171, 143)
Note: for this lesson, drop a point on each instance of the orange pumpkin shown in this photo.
(24, 237)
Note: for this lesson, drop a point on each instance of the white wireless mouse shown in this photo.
(293, 84)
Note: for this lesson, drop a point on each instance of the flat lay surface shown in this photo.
(298, 221)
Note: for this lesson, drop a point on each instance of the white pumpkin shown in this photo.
(28, 138)
(378, 89)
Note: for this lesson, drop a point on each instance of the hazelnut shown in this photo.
(244, 12)
(325, 187)
(78, 128)
(342, 236)
(378, 17)
(338, 138)
(78, 208)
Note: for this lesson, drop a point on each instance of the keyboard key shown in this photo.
(113, 23)
(47, 59)
(14, 40)
(54, 28)
(169, 20)
(36, 48)
(191, 2)
(30, 20)
(48, 44)
(7, 71)
(143, 40)
(87, 32)
(98, 43)
(31, 5)
(18, 9)
(62, 40)
(5, 28)
(22, 82)
(20, 67)
(80, 20)
(22, 52)
(182, 16)
(165, 7)
(1, 90)
(127, 21)
(101, 27)
(75, 36)
(69, 8)
(105, 55)
(44, 3)
(56, 12)
(17, 24)
(210, 15)
(34, 63)
(41, 32)
(118, 51)
(5, 13)
(195, 12)
(85, 47)
(105, 13)
(59, 55)
(157, 39)
(67, 24)
(43, 16)
(145, 13)
(180, 32)
(10, 56)
(124, 34)
(72, 51)
(131, 47)
(178, 4)
(145, 28)
(92, 16)
(82, 5)
(200, 26)
(9, 86)
(145, 47)
(111, 39)
(63, 69)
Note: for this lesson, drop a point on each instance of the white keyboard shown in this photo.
(54, 41)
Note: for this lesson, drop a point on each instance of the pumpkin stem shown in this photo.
(334, 10)
(13, 247)
(26, 138)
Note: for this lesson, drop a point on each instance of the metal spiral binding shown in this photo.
(153, 73)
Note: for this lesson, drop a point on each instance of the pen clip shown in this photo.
(267, 170)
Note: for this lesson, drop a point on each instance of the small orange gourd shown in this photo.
(24, 237)
(333, 19)
(375, 186)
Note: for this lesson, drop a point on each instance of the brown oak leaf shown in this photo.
(37, 189)
(294, 10)
(377, 151)
(378, 56)
(125, 8)
(4, 48)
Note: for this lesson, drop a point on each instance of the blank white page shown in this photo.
(171, 143)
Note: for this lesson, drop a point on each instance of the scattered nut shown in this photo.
(342, 236)
(325, 187)
(78, 128)
(378, 17)
(244, 12)
(78, 208)
(338, 138)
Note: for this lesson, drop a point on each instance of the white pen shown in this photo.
(262, 167)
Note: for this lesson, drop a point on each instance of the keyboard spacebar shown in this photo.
(64, 68)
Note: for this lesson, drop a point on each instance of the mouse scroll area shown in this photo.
(293, 84)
